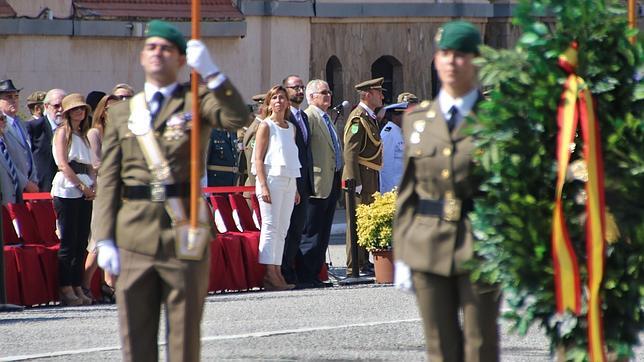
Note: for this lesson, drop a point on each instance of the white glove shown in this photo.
(402, 277)
(108, 257)
(359, 189)
(198, 58)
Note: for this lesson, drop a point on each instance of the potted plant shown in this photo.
(375, 226)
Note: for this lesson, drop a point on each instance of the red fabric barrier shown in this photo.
(45, 216)
(33, 289)
(12, 283)
(217, 266)
(235, 276)
(9, 233)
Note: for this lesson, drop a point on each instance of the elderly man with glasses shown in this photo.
(41, 133)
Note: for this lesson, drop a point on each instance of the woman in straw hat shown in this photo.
(73, 192)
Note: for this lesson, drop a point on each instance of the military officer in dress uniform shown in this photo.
(222, 157)
(393, 143)
(432, 232)
(363, 154)
(141, 234)
(249, 138)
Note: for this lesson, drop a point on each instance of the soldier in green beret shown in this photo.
(432, 232)
(363, 155)
(141, 211)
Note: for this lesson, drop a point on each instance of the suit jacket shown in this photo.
(20, 153)
(322, 147)
(437, 165)
(305, 181)
(137, 225)
(9, 195)
(41, 135)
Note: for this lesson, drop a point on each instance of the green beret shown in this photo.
(370, 84)
(459, 35)
(166, 31)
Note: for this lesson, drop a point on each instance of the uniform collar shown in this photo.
(167, 91)
(393, 126)
(463, 104)
(369, 111)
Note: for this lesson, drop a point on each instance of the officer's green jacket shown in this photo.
(437, 165)
(137, 225)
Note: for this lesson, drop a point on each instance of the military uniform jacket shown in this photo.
(222, 154)
(362, 150)
(137, 225)
(437, 166)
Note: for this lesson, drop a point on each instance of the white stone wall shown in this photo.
(273, 48)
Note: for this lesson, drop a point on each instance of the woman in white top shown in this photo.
(95, 138)
(73, 192)
(276, 166)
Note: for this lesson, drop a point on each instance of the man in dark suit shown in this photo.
(327, 169)
(16, 137)
(41, 133)
(295, 88)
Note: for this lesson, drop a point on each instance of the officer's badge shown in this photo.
(430, 114)
(425, 104)
(176, 126)
(354, 128)
(414, 138)
(419, 126)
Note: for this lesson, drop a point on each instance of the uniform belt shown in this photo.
(156, 192)
(79, 168)
(447, 209)
(371, 165)
(233, 169)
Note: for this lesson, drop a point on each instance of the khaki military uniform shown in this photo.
(434, 237)
(151, 274)
(249, 145)
(362, 161)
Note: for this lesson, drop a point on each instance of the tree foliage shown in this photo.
(516, 132)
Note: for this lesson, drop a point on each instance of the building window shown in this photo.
(389, 68)
(334, 78)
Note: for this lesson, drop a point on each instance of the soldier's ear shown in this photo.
(182, 60)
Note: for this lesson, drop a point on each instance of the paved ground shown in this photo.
(369, 322)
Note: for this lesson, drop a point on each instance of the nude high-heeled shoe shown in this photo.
(68, 297)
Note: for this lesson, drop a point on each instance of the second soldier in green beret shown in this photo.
(432, 231)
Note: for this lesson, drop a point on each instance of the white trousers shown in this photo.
(276, 218)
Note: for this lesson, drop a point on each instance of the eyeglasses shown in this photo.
(296, 87)
(123, 97)
(325, 93)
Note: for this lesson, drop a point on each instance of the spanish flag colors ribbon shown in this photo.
(577, 105)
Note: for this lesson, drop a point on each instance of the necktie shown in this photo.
(300, 120)
(453, 117)
(336, 144)
(155, 105)
(12, 169)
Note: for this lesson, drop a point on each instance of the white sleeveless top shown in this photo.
(281, 157)
(79, 152)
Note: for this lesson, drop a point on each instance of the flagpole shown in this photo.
(195, 157)
(632, 20)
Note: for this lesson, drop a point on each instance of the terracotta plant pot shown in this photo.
(383, 261)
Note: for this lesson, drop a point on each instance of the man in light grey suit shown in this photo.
(9, 184)
(327, 171)
(16, 137)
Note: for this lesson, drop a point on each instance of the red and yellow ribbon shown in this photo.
(576, 105)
